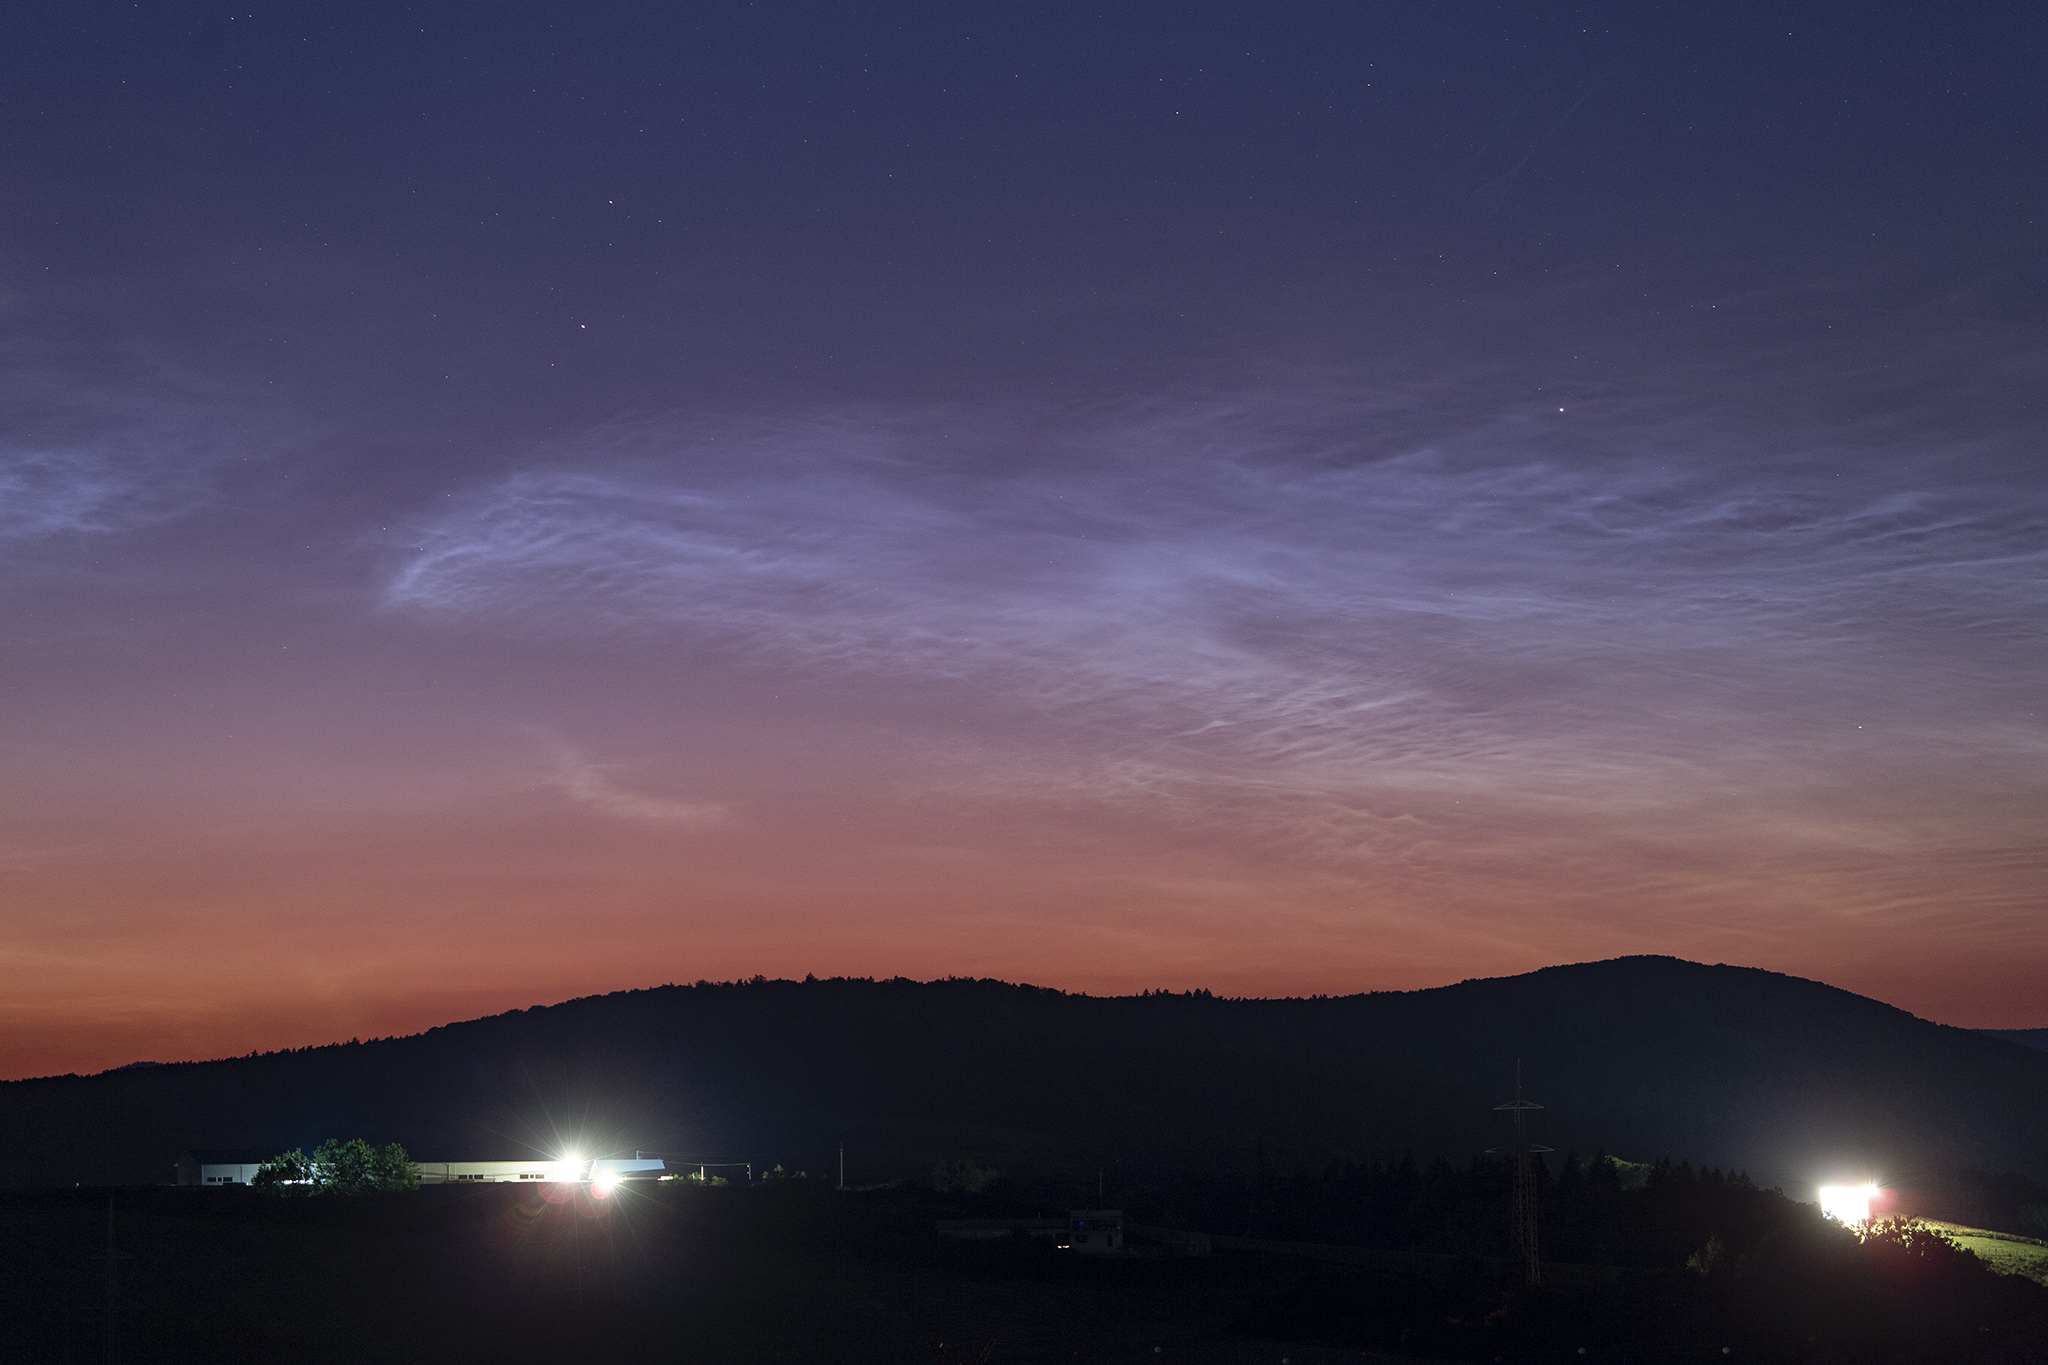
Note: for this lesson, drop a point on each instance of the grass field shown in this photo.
(795, 1271)
(789, 1272)
(2006, 1253)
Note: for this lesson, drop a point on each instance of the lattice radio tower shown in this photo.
(1521, 1150)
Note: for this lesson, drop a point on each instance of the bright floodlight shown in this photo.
(1849, 1204)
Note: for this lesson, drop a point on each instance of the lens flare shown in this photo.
(1847, 1204)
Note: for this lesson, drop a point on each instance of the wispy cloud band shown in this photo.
(82, 458)
(1239, 592)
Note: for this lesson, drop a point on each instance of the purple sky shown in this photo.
(495, 507)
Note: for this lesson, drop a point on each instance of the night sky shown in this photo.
(501, 503)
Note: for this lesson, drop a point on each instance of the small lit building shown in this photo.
(1095, 1231)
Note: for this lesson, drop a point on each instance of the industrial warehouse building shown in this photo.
(601, 1170)
(461, 1172)
(219, 1167)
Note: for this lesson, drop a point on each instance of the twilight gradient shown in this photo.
(1485, 552)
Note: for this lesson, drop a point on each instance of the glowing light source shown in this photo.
(1848, 1204)
(569, 1170)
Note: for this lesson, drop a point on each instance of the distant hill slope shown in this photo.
(2025, 1037)
(1643, 1056)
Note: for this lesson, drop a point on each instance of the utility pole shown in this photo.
(842, 1165)
(1525, 1180)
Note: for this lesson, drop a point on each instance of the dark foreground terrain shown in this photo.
(796, 1271)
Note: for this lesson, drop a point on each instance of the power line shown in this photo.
(1521, 1149)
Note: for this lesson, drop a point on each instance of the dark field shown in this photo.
(652, 1273)
(800, 1272)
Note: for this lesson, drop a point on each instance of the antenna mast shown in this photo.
(1525, 1180)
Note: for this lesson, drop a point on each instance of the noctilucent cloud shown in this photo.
(503, 506)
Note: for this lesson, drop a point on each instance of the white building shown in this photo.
(464, 1172)
(218, 1168)
(1095, 1231)
(603, 1170)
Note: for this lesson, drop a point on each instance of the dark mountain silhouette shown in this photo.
(2025, 1037)
(1789, 1079)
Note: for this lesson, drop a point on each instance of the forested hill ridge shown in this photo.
(1789, 1079)
(2026, 1037)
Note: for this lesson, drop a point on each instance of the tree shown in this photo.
(287, 1168)
(393, 1169)
(355, 1167)
(344, 1167)
(1906, 1248)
